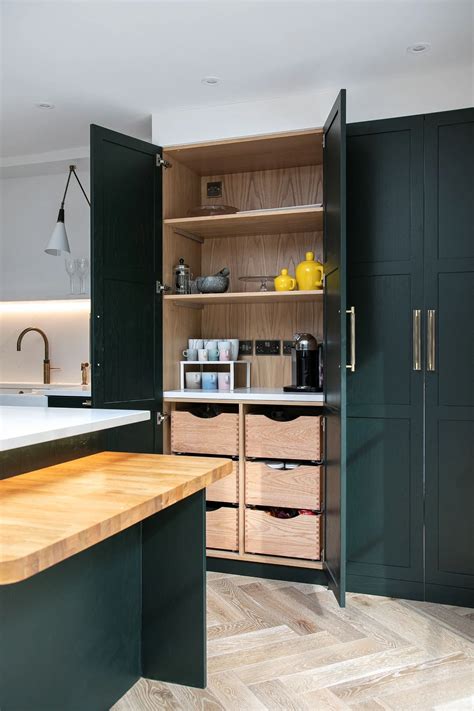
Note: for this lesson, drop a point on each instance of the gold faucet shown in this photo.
(46, 362)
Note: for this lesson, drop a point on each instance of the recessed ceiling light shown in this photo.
(45, 105)
(211, 81)
(419, 48)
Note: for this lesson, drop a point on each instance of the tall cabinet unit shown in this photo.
(289, 191)
(410, 401)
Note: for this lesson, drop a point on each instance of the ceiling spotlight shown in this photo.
(45, 105)
(211, 81)
(419, 48)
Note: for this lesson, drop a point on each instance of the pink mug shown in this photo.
(224, 353)
(223, 380)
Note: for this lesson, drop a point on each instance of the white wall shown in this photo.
(401, 96)
(29, 210)
(67, 329)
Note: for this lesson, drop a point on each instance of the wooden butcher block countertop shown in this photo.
(50, 514)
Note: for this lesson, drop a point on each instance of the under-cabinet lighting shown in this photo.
(54, 306)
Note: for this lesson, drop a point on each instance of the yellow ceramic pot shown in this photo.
(309, 274)
(284, 282)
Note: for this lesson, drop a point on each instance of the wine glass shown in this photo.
(70, 265)
(82, 267)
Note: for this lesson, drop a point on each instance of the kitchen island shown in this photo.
(102, 572)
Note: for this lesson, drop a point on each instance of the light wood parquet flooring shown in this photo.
(288, 646)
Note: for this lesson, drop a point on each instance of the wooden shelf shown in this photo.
(244, 297)
(268, 559)
(255, 222)
(241, 155)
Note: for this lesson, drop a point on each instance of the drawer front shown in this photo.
(297, 439)
(298, 488)
(226, 489)
(198, 435)
(297, 537)
(222, 529)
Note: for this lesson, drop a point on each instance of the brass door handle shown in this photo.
(416, 325)
(431, 341)
(352, 365)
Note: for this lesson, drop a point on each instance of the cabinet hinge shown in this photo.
(324, 140)
(161, 163)
(161, 417)
(161, 288)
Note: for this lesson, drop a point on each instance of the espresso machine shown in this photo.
(306, 365)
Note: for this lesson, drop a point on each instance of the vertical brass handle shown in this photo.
(431, 341)
(416, 339)
(352, 365)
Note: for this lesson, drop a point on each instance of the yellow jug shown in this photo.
(309, 274)
(284, 282)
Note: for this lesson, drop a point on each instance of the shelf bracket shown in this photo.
(189, 235)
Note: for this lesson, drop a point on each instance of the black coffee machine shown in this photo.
(306, 365)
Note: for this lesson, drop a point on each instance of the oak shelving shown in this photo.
(245, 297)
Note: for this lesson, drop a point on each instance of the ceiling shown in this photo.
(115, 62)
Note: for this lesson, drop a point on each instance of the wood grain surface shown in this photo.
(298, 488)
(297, 537)
(50, 514)
(285, 646)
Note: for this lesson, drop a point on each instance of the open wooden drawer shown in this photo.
(296, 439)
(222, 528)
(199, 435)
(298, 537)
(226, 489)
(298, 488)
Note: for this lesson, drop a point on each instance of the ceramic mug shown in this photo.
(213, 354)
(224, 381)
(223, 344)
(209, 381)
(203, 354)
(234, 348)
(210, 345)
(190, 353)
(195, 343)
(224, 354)
(193, 381)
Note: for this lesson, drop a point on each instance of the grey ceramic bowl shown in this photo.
(212, 284)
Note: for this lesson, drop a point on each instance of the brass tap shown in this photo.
(46, 361)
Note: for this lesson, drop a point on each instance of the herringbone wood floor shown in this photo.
(287, 646)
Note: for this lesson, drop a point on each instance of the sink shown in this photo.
(28, 399)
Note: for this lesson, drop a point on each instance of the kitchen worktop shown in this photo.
(51, 514)
(24, 426)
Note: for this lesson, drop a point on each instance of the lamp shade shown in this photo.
(59, 243)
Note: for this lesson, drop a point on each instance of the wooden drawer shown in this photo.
(222, 529)
(297, 439)
(226, 489)
(297, 537)
(198, 435)
(298, 488)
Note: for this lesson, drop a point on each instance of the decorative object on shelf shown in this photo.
(224, 354)
(309, 274)
(209, 380)
(234, 348)
(215, 284)
(304, 364)
(70, 266)
(190, 353)
(193, 381)
(284, 282)
(82, 268)
(264, 280)
(223, 380)
(59, 243)
(203, 355)
(195, 343)
(84, 373)
(210, 210)
(213, 354)
(182, 278)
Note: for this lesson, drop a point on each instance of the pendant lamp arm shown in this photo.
(73, 170)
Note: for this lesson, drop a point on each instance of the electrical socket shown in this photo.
(214, 189)
(245, 348)
(287, 346)
(267, 347)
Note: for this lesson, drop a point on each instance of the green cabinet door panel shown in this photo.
(385, 394)
(335, 344)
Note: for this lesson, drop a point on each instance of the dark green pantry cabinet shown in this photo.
(410, 472)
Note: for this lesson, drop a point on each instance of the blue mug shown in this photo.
(209, 381)
(213, 354)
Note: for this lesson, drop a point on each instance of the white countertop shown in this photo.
(76, 391)
(24, 426)
(245, 395)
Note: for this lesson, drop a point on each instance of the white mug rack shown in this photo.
(214, 364)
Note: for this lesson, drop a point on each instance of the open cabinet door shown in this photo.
(126, 263)
(334, 158)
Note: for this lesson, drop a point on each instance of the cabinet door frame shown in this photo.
(335, 329)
